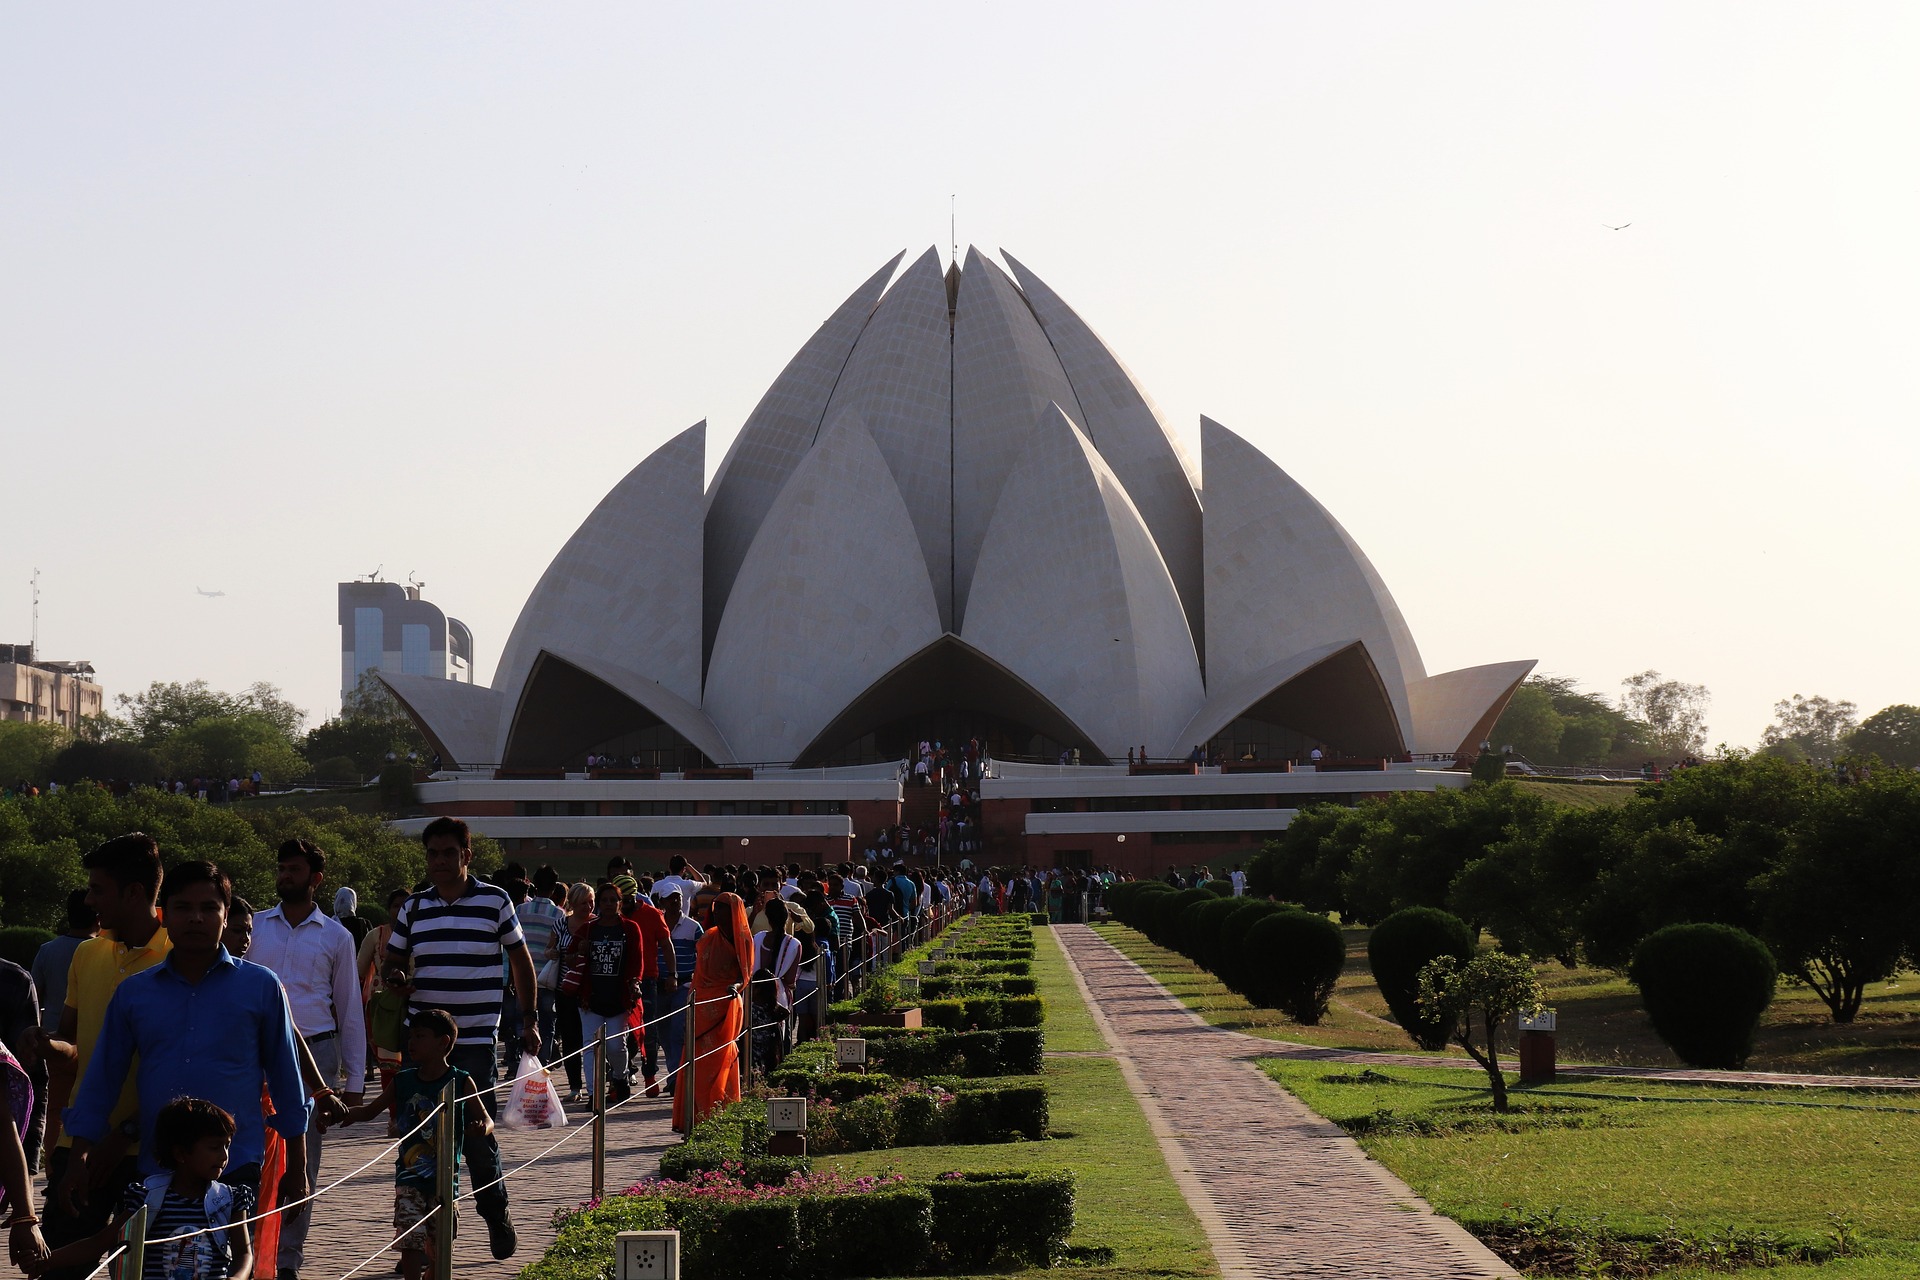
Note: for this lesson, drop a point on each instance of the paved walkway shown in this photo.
(356, 1222)
(1281, 1192)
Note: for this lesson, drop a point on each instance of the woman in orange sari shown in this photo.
(722, 962)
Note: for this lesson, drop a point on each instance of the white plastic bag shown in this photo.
(534, 1102)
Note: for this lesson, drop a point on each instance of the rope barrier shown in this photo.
(923, 927)
(105, 1263)
(312, 1196)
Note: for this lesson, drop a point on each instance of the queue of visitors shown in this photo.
(196, 1052)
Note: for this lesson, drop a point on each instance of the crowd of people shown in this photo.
(176, 1049)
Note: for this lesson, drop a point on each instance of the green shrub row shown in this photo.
(984, 1013)
(941, 986)
(1014, 1052)
(956, 1223)
(917, 1116)
(1276, 955)
(735, 1134)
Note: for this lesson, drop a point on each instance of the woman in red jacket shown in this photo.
(608, 955)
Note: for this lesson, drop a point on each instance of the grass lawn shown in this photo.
(1600, 1016)
(1126, 1200)
(1580, 795)
(1702, 1160)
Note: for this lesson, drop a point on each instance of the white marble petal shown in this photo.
(833, 594)
(1454, 711)
(680, 715)
(898, 382)
(626, 586)
(1071, 595)
(1283, 577)
(458, 719)
(777, 434)
(1351, 708)
(1005, 374)
(1128, 431)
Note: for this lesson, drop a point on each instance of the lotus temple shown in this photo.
(953, 517)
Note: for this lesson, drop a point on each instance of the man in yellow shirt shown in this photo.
(123, 885)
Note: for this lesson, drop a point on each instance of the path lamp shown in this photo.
(786, 1126)
(850, 1053)
(646, 1255)
(1537, 1057)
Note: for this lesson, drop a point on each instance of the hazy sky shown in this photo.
(288, 293)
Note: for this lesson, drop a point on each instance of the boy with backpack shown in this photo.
(414, 1093)
(191, 1139)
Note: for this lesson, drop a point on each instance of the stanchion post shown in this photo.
(746, 1056)
(600, 1112)
(683, 1102)
(446, 1166)
(134, 1235)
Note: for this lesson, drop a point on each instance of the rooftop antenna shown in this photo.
(35, 643)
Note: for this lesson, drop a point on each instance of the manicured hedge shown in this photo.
(957, 967)
(956, 1223)
(984, 1012)
(941, 986)
(734, 1134)
(1291, 961)
(1233, 932)
(1403, 944)
(1013, 1052)
(1199, 930)
(1704, 987)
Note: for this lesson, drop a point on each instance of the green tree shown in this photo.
(1674, 712)
(370, 726)
(1417, 842)
(166, 708)
(1492, 987)
(1892, 734)
(1307, 862)
(27, 750)
(1809, 729)
(1530, 725)
(1838, 909)
(232, 745)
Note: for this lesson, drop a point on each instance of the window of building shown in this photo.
(815, 808)
(675, 842)
(557, 808)
(369, 643)
(584, 842)
(1199, 837)
(658, 808)
(1055, 804)
(1127, 804)
(416, 649)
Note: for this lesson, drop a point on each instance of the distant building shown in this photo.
(45, 691)
(388, 627)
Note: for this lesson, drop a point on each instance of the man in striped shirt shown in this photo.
(456, 932)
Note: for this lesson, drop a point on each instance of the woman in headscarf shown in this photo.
(722, 963)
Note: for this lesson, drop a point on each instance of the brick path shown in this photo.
(357, 1220)
(1281, 1192)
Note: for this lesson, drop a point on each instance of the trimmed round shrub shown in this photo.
(1199, 930)
(1219, 887)
(1399, 948)
(1290, 961)
(1128, 901)
(1704, 987)
(1233, 932)
(1162, 922)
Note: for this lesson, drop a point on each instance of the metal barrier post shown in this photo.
(600, 1112)
(683, 1102)
(134, 1235)
(746, 1058)
(446, 1165)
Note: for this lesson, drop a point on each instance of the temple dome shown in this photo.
(955, 511)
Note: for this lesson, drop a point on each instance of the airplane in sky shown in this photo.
(209, 594)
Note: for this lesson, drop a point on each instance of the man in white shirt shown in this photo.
(677, 878)
(1239, 881)
(313, 956)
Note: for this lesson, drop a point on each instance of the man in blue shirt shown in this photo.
(203, 1025)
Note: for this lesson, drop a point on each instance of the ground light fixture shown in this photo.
(850, 1052)
(787, 1115)
(647, 1255)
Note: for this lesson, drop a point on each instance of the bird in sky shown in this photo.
(1622, 227)
(209, 594)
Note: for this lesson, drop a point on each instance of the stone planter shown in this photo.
(907, 1019)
